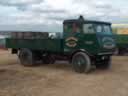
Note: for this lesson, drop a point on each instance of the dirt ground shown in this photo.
(60, 79)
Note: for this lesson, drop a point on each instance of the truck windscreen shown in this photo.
(103, 29)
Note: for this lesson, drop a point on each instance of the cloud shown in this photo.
(19, 2)
(48, 10)
(53, 12)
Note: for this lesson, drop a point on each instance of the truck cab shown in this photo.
(95, 37)
(92, 40)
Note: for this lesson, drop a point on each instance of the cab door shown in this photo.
(89, 40)
(72, 33)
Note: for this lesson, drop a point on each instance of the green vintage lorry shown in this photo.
(83, 43)
(121, 37)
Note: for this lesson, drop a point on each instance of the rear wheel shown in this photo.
(26, 57)
(81, 62)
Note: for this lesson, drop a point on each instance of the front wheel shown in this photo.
(81, 62)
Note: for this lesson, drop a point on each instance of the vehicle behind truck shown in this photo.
(121, 36)
(84, 43)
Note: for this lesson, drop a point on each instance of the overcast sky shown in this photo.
(48, 15)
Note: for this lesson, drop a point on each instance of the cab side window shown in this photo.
(67, 27)
(88, 28)
(73, 27)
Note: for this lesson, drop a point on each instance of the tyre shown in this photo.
(26, 57)
(105, 64)
(81, 62)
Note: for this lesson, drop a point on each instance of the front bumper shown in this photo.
(106, 53)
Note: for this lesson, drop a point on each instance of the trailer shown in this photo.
(84, 43)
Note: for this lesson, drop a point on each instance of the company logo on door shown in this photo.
(108, 42)
(71, 42)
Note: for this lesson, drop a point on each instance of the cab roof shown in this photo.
(82, 20)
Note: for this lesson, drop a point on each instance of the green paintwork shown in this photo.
(54, 45)
(107, 43)
(83, 43)
(92, 43)
(122, 40)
